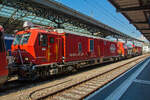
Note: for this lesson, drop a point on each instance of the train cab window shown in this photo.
(43, 40)
(17, 39)
(21, 39)
(91, 45)
(25, 38)
(80, 47)
(51, 40)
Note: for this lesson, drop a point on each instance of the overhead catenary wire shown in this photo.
(110, 13)
(105, 14)
(94, 4)
(89, 6)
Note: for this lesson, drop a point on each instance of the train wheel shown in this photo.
(114, 59)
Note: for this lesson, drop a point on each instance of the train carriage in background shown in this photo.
(129, 50)
(137, 50)
(132, 50)
(8, 42)
(3, 61)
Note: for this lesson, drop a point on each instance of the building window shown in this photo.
(80, 47)
(43, 40)
(91, 45)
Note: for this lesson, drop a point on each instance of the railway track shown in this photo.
(38, 90)
(13, 86)
(80, 89)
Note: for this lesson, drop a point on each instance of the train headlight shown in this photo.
(14, 59)
(26, 59)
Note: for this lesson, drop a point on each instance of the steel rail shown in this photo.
(79, 83)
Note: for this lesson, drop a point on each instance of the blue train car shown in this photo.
(8, 42)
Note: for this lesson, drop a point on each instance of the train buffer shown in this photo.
(132, 85)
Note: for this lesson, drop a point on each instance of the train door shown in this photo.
(101, 48)
(91, 47)
(52, 48)
(105, 48)
(43, 46)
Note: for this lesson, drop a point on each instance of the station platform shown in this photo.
(132, 85)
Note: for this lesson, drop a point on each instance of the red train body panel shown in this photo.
(3, 61)
(76, 48)
(109, 48)
(90, 48)
(3, 68)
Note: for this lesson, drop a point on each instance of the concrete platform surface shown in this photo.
(132, 85)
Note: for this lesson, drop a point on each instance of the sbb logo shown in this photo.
(112, 48)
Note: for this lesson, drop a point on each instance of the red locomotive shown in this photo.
(3, 61)
(41, 52)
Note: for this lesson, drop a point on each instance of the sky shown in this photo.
(105, 12)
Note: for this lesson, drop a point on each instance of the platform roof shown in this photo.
(51, 13)
(137, 12)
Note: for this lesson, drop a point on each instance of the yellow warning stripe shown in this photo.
(49, 54)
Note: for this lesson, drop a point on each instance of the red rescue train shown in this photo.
(40, 52)
(3, 62)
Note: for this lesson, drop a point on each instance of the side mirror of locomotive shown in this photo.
(41, 38)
